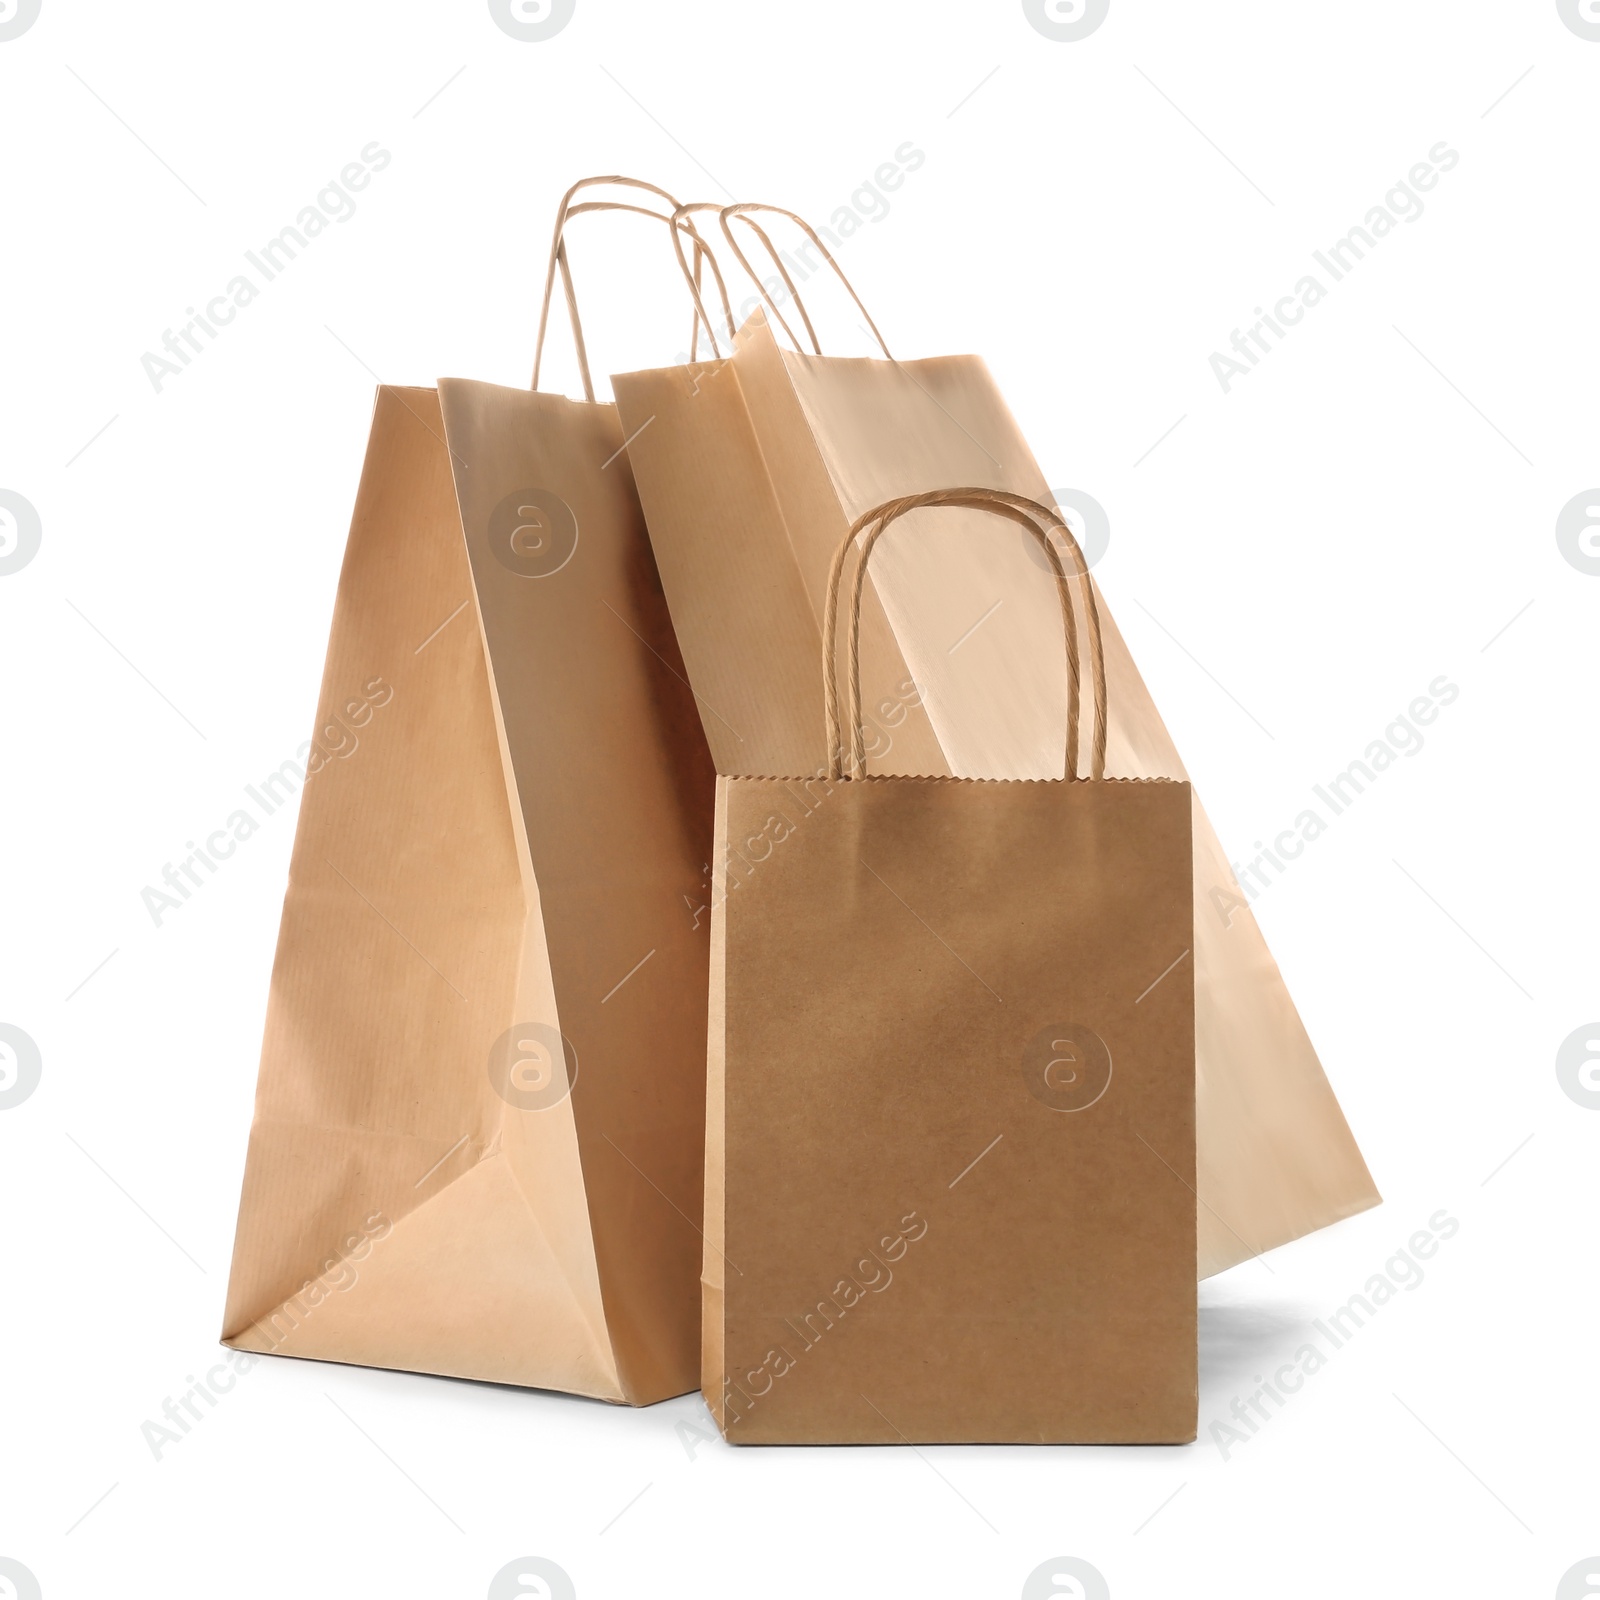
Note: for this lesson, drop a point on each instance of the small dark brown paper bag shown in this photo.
(950, 1128)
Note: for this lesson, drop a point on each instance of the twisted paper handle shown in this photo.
(566, 210)
(1017, 508)
(741, 212)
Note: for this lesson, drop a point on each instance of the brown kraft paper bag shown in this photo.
(950, 1119)
(750, 469)
(477, 1144)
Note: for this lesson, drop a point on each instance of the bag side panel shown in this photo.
(401, 953)
(614, 793)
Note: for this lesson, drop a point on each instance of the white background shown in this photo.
(1373, 506)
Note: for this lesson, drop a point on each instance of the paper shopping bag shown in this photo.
(478, 1137)
(748, 483)
(950, 1124)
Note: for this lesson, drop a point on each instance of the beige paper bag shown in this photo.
(478, 1137)
(749, 471)
(950, 1126)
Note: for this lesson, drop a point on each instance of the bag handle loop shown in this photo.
(1017, 508)
(742, 212)
(694, 287)
(565, 211)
